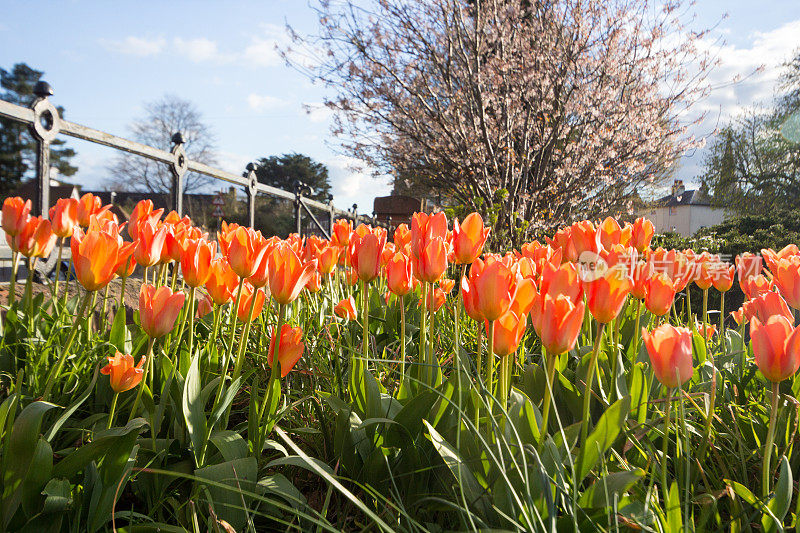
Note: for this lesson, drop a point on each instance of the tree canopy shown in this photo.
(17, 145)
(283, 171)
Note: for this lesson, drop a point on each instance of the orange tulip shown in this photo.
(126, 264)
(123, 376)
(660, 294)
(222, 281)
(16, 213)
(605, 295)
(89, 205)
(642, 234)
(609, 233)
(738, 316)
(560, 323)
(36, 238)
(670, 351)
(447, 285)
(425, 228)
(494, 286)
(64, 217)
(431, 262)
(204, 306)
(225, 236)
(287, 275)
(95, 256)
(766, 305)
(468, 239)
(771, 257)
(327, 257)
(341, 233)
(158, 309)
(243, 311)
(562, 241)
(246, 250)
(314, 284)
(260, 277)
(722, 278)
(402, 236)
(399, 274)
(196, 261)
(435, 300)
(776, 347)
(508, 332)
(584, 238)
(706, 330)
(150, 242)
(787, 279)
(642, 272)
(346, 309)
(755, 286)
(365, 251)
(747, 265)
(142, 213)
(290, 349)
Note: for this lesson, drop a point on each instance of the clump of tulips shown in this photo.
(414, 356)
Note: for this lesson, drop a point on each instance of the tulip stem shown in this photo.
(232, 327)
(58, 267)
(124, 281)
(490, 357)
(191, 312)
(66, 281)
(105, 307)
(401, 299)
(147, 365)
(65, 352)
(433, 363)
(587, 395)
(12, 284)
(773, 416)
(637, 334)
(713, 396)
(457, 317)
(112, 410)
(665, 443)
(237, 368)
(273, 371)
(722, 320)
(550, 361)
(423, 324)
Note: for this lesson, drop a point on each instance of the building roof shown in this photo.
(693, 197)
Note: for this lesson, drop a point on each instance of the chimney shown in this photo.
(678, 188)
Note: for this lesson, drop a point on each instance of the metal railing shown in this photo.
(45, 124)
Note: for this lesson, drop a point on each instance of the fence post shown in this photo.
(252, 191)
(354, 210)
(330, 215)
(45, 127)
(178, 168)
(298, 213)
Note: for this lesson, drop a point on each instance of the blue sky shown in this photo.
(105, 59)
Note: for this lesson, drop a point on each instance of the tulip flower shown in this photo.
(605, 295)
(642, 234)
(771, 257)
(150, 242)
(158, 309)
(16, 213)
(722, 277)
(425, 228)
(660, 294)
(706, 330)
(315, 283)
(747, 266)
(346, 309)
(641, 273)
(609, 233)
(341, 233)
(766, 305)
(776, 347)
(126, 264)
(123, 375)
(225, 235)
(64, 217)
(89, 205)
(204, 306)
(435, 300)
(494, 286)
(787, 279)
(290, 348)
(142, 213)
(447, 285)
(327, 257)
(399, 274)
(287, 275)
(584, 238)
(402, 236)
(95, 257)
(561, 323)
(468, 296)
(562, 241)
(36, 239)
(508, 332)
(755, 286)
(670, 350)
(246, 250)
(222, 281)
(243, 312)
(468, 239)
(196, 261)
(704, 275)
(365, 253)
(431, 262)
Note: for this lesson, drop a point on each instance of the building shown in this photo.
(683, 212)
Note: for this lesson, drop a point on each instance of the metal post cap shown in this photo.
(177, 138)
(42, 89)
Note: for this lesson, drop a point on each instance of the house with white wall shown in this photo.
(683, 211)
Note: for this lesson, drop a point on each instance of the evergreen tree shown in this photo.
(284, 170)
(17, 145)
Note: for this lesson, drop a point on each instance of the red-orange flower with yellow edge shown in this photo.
(287, 275)
(346, 309)
(660, 294)
(468, 239)
(508, 332)
(402, 236)
(425, 228)
(399, 274)
(246, 249)
(670, 350)
(771, 257)
(123, 375)
(495, 288)
(142, 212)
(435, 300)
(776, 347)
(196, 261)
(36, 238)
(89, 205)
(222, 282)
(64, 217)
(606, 293)
(248, 293)
(787, 279)
(642, 232)
(723, 276)
(95, 256)
(158, 309)
(365, 249)
(16, 213)
(290, 349)
(431, 263)
(341, 233)
(149, 243)
(560, 323)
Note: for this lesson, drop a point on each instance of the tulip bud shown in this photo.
(670, 351)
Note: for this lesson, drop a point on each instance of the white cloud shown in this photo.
(200, 50)
(232, 162)
(353, 182)
(264, 102)
(136, 46)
